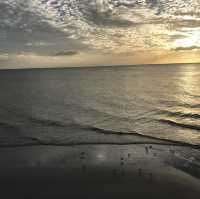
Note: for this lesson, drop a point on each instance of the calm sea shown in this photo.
(100, 105)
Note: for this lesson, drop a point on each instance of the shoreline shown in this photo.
(101, 171)
(50, 144)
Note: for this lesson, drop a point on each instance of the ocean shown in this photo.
(100, 105)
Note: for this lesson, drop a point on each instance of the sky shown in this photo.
(62, 33)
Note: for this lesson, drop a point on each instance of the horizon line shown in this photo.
(97, 66)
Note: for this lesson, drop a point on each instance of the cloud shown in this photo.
(177, 36)
(65, 53)
(103, 26)
(140, 22)
(102, 14)
(23, 29)
(38, 44)
(187, 48)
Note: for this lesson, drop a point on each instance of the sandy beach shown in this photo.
(100, 171)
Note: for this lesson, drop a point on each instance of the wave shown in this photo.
(185, 105)
(167, 141)
(57, 144)
(47, 122)
(27, 141)
(38, 142)
(177, 124)
(180, 114)
(174, 103)
(72, 125)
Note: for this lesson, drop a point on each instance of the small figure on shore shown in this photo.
(129, 155)
(122, 161)
(146, 149)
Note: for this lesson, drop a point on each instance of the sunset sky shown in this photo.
(54, 33)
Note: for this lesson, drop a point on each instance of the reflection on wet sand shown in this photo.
(100, 171)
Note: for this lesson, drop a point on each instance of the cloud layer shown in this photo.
(102, 26)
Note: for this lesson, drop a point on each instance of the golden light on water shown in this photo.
(189, 80)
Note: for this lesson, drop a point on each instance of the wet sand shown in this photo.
(100, 171)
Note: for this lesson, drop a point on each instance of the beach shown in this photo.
(100, 171)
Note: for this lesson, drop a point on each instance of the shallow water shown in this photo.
(100, 105)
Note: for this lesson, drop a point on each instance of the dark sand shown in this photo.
(100, 171)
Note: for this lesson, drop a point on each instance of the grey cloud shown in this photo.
(65, 53)
(111, 12)
(101, 14)
(38, 42)
(178, 24)
(187, 48)
(22, 29)
(81, 25)
(107, 19)
(16, 16)
(177, 36)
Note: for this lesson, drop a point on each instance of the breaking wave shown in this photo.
(25, 140)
